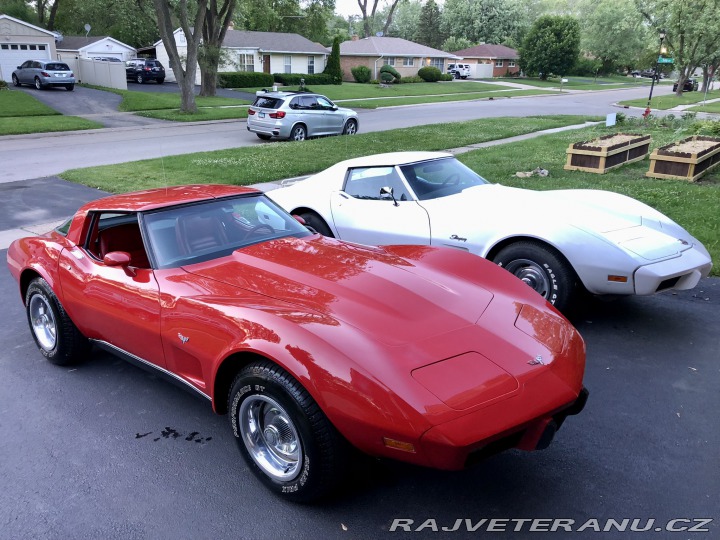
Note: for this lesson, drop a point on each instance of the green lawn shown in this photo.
(134, 101)
(21, 113)
(465, 96)
(580, 83)
(693, 205)
(670, 101)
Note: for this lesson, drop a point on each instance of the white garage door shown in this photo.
(14, 54)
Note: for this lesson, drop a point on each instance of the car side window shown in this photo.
(308, 102)
(366, 183)
(26, 65)
(324, 102)
(112, 231)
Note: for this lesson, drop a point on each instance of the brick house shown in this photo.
(502, 59)
(403, 55)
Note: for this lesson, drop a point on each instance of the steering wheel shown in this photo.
(452, 180)
(257, 228)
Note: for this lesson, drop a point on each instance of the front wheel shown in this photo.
(540, 267)
(56, 336)
(316, 223)
(350, 128)
(284, 437)
(298, 133)
(15, 80)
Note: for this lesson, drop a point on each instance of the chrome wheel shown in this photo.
(532, 274)
(42, 320)
(298, 133)
(270, 437)
(350, 128)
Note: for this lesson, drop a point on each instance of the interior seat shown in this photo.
(200, 232)
(125, 238)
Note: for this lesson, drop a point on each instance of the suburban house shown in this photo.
(403, 55)
(71, 47)
(268, 52)
(490, 60)
(20, 41)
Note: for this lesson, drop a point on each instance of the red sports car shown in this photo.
(311, 345)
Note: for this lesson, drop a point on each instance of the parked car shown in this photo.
(651, 73)
(141, 70)
(558, 242)
(459, 71)
(689, 85)
(635, 73)
(44, 73)
(311, 345)
(299, 115)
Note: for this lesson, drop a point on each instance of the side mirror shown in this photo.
(387, 192)
(119, 258)
(300, 220)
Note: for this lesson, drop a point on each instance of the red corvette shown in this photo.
(310, 345)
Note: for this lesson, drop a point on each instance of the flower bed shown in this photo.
(605, 153)
(688, 159)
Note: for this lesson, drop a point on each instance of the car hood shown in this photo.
(610, 216)
(388, 297)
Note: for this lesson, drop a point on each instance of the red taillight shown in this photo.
(146, 68)
(251, 112)
(71, 74)
(44, 74)
(279, 114)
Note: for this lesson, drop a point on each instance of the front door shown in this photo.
(266, 63)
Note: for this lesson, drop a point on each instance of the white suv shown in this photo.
(459, 71)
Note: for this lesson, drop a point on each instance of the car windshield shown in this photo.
(440, 178)
(209, 230)
(57, 66)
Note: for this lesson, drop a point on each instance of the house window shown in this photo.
(41, 47)
(311, 65)
(4, 47)
(498, 63)
(390, 61)
(288, 63)
(33, 47)
(14, 47)
(408, 62)
(438, 63)
(23, 47)
(511, 64)
(246, 62)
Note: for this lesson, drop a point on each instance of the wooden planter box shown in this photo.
(688, 159)
(605, 153)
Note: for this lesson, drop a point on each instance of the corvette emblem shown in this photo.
(538, 360)
(184, 339)
(458, 238)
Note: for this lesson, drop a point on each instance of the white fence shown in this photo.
(481, 71)
(98, 72)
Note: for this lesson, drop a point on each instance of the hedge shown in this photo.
(430, 73)
(361, 74)
(244, 79)
(293, 79)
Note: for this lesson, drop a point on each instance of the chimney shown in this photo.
(355, 37)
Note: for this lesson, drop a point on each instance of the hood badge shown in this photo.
(184, 339)
(458, 238)
(537, 361)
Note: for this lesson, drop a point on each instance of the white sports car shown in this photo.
(555, 241)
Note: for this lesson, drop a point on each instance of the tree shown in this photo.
(309, 18)
(614, 33)
(452, 44)
(18, 9)
(692, 31)
(46, 12)
(428, 30)
(483, 21)
(215, 25)
(405, 20)
(185, 75)
(368, 20)
(551, 46)
(332, 67)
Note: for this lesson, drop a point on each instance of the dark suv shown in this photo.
(144, 69)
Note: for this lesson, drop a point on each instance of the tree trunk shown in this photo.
(214, 29)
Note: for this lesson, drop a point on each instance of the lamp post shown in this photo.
(655, 74)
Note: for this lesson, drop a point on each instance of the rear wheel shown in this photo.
(69, 87)
(56, 336)
(140, 79)
(38, 84)
(544, 270)
(350, 127)
(263, 136)
(298, 133)
(317, 223)
(285, 438)
(15, 80)
(160, 81)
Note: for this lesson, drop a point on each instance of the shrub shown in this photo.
(361, 74)
(388, 73)
(429, 74)
(244, 79)
(412, 79)
(332, 68)
(447, 77)
(293, 79)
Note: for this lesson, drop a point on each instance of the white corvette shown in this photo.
(555, 241)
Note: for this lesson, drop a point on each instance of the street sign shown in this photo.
(662, 60)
